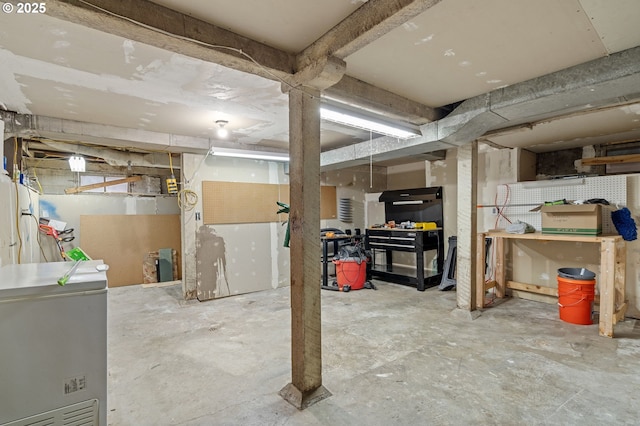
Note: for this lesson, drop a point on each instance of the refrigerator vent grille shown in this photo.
(80, 414)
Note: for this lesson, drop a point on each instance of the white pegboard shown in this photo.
(522, 197)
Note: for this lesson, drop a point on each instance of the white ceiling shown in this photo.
(453, 51)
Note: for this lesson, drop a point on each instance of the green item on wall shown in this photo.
(284, 209)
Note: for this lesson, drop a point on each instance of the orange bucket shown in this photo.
(575, 300)
(351, 273)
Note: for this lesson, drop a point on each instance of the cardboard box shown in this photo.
(582, 219)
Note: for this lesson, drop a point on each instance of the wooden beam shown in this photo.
(614, 159)
(366, 24)
(150, 23)
(159, 26)
(101, 185)
(304, 219)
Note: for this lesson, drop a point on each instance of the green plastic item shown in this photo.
(284, 209)
(77, 254)
(63, 280)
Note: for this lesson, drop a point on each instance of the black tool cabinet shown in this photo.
(414, 205)
(406, 240)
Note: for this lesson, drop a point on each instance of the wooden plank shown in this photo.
(239, 202)
(501, 270)
(490, 284)
(101, 185)
(618, 316)
(533, 288)
(613, 159)
(328, 202)
(554, 237)
(619, 282)
(607, 286)
(242, 202)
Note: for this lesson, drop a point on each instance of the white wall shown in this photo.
(255, 256)
(18, 239)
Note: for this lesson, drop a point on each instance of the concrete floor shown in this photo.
(391, 356)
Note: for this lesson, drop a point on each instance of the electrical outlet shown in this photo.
(494, 211)
(172, 186)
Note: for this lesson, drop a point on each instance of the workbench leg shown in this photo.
(480, 271)
(620, 307)
(419, 268)
(607, 286)
(501, 272)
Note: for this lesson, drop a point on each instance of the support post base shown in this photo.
(302, 400)
(465, 314)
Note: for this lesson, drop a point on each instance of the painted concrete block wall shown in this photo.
(254, 255)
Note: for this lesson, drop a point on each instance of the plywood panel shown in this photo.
(328, 208)
(239, 202)
(123, 242)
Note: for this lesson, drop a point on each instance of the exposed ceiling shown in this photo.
(542, 75)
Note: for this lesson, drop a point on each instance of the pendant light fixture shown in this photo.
(222, 132)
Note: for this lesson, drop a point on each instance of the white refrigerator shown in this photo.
(53, 345)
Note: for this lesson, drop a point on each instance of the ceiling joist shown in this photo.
(156, 25)
(368, 23)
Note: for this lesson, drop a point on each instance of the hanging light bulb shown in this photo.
(222, 132)
(77, 163)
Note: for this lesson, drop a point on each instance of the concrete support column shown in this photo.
(467, 225)
(304, 217)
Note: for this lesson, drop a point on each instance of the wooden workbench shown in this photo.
(613, 302)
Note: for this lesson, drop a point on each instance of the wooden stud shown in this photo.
(607, 286)
(501, 272)
(533, 288)
(620, 299)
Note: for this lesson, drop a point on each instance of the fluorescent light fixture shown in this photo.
(255, 155)
(77, 163)
(339, 117)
